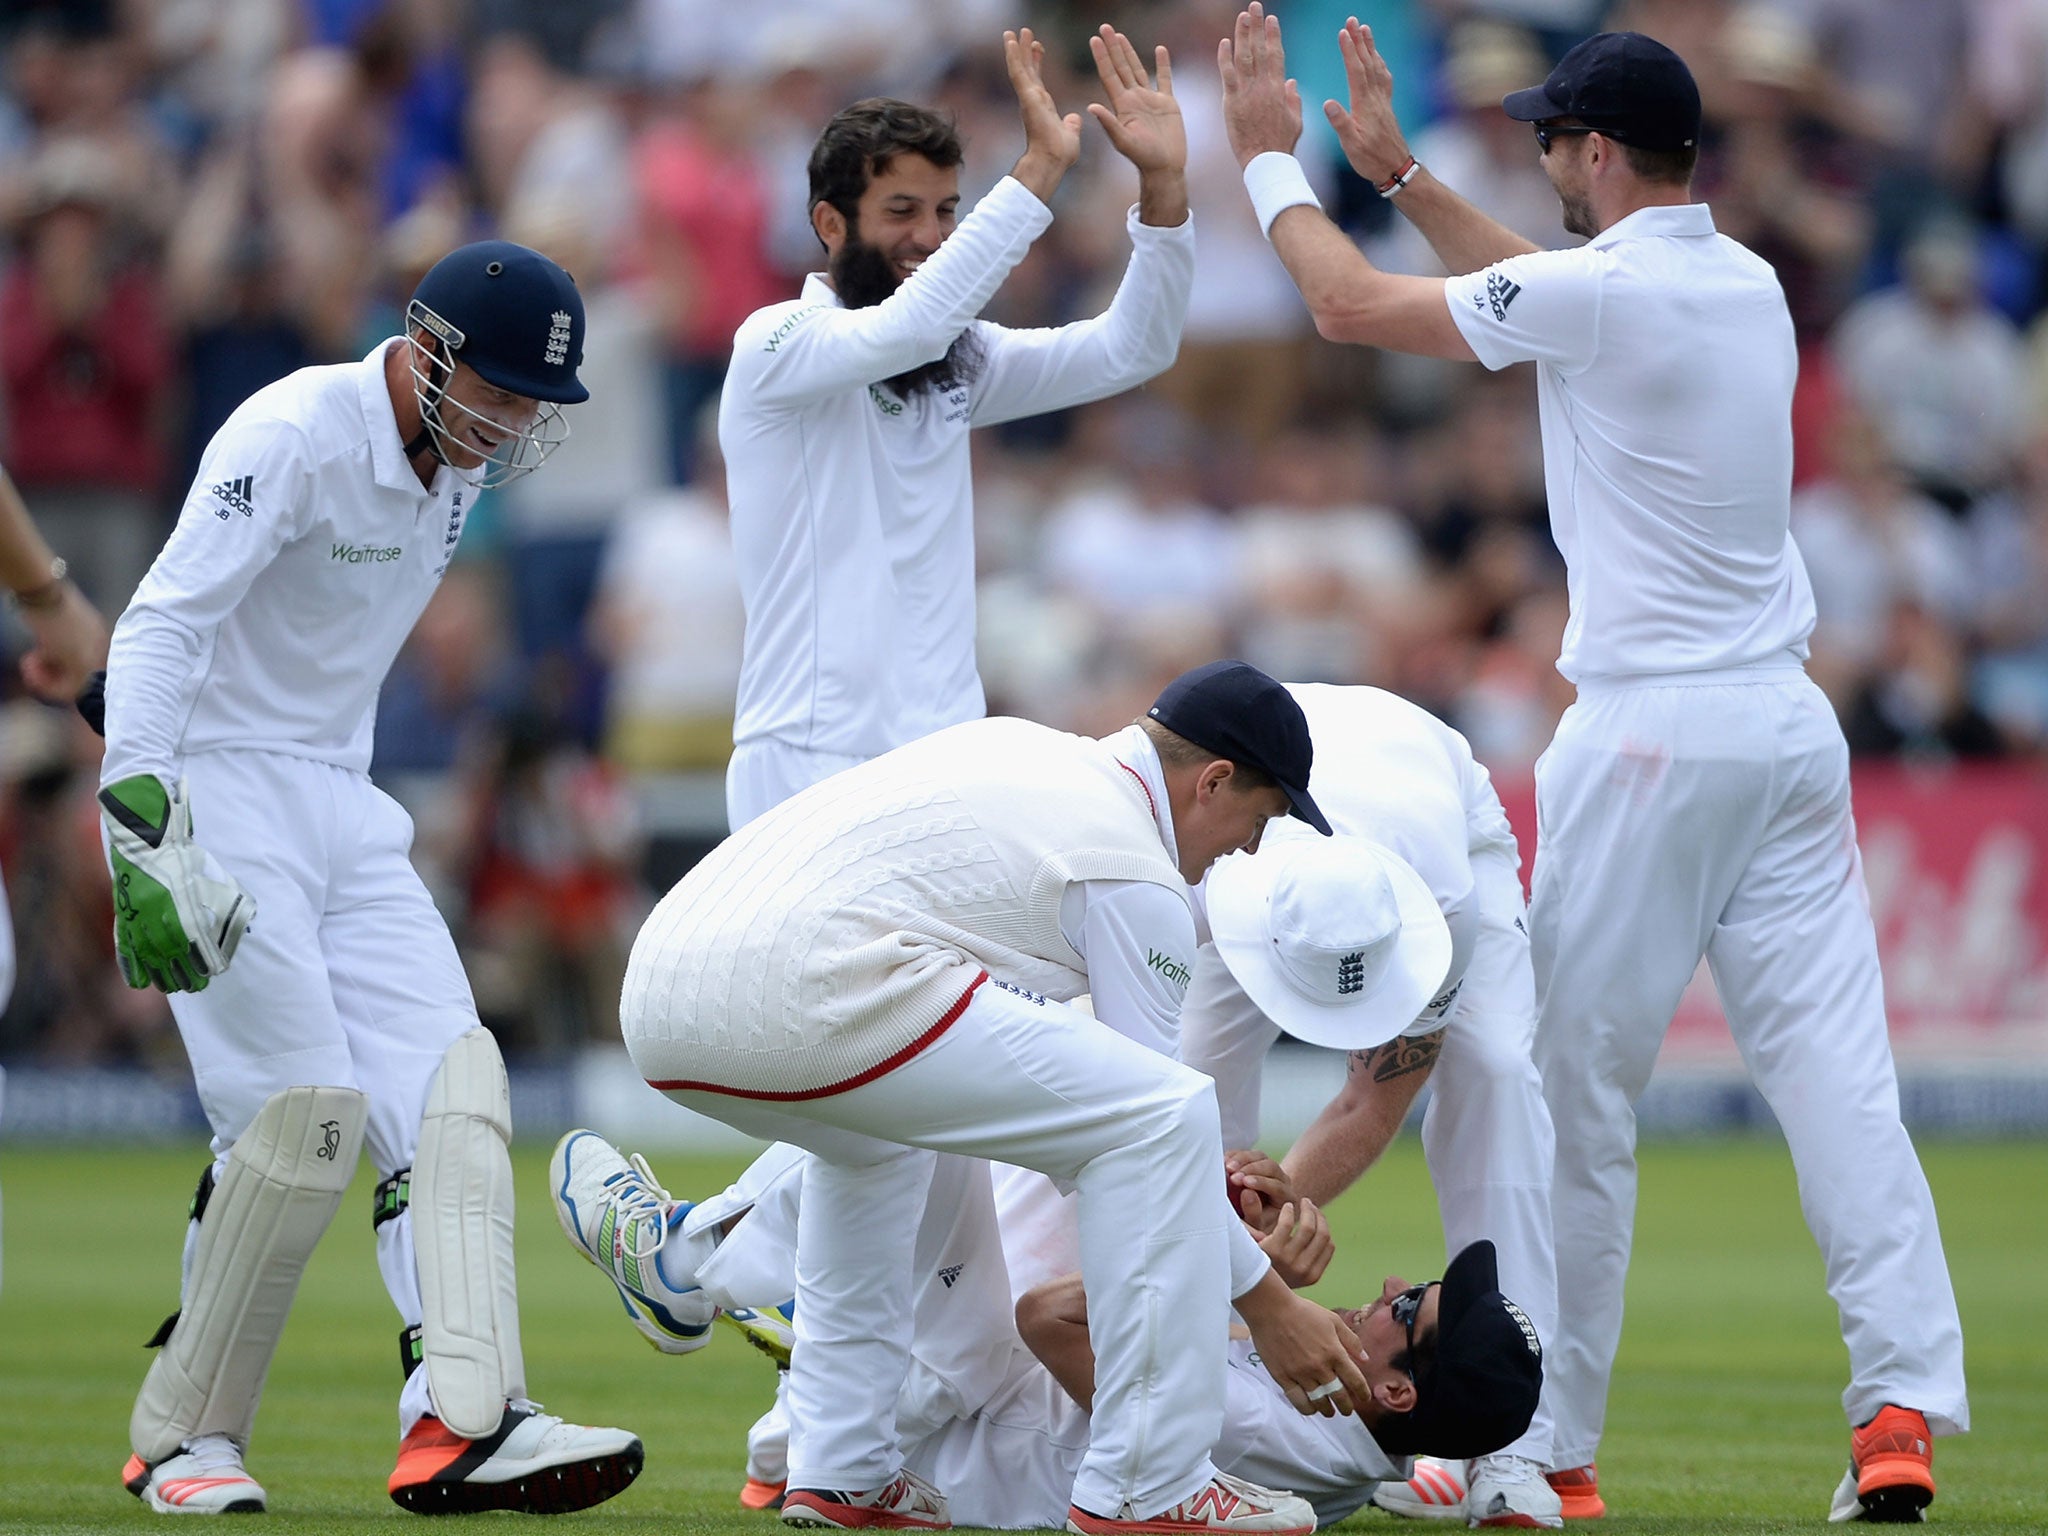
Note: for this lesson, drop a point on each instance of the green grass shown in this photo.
(1725, 1417)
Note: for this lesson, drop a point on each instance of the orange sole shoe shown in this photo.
(760, 1495)
(135, 1476)
(1579, 1489)
(1894, 1457)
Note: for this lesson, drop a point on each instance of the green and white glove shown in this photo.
(177, 914)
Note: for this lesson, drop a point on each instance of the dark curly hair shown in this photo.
(861, 141)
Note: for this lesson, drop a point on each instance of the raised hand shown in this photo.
(1261, 106)
(1052, 140)
(1143, 121)
(1369, 132)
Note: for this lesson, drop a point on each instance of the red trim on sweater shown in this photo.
(952, 1015)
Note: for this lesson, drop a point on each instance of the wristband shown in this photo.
(1393, 184)
(1277, 182)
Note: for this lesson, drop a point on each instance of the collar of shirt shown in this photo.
(1134, 751)
(818, 289)
(1661, 221)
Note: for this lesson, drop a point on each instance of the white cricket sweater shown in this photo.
(833, 937)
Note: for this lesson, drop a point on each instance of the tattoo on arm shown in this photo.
(1399, 1057)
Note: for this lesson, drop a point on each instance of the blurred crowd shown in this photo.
(198, 196)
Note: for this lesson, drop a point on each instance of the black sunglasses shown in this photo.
(1405, 1308)
(1545, 133)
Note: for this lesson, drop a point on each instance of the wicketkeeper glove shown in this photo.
(177, 914)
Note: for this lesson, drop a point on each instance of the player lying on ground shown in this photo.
(1453, 1368)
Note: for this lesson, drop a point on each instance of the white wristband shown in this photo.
(1277, 183)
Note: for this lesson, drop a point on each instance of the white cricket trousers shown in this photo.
(347, 977)
(1037, 1083)
(764, 772)
(1711, 816)
(1486, 1133)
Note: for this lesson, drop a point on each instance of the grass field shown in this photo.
(1725, 1417)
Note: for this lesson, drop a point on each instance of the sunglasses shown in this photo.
(1405, 1308)
(1544, 134)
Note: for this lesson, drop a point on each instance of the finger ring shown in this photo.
(1329, 1388)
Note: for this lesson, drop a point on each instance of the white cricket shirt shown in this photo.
(301, 559)
(1665, 365)
(852, 509)
(1384, 769)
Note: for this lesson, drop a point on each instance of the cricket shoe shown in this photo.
(1509, 1491)
(1891, 1470)
(614, 1210)
(205, 1477)
(1435, 1491)
(755, 1494)
(771, 1330)
(533, 1463)
(1225, 1504)
(908, 1503)
(1578, 1490)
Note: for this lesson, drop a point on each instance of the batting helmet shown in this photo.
(514, 317)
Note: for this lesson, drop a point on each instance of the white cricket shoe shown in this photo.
(907, 1503)
(1511, 1491)
(1226, 1504)
(206, 1477)
(1434, 1491)
(614, 1210)
(534, 1463)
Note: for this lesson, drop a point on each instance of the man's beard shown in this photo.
(1578, 213)
(863, 275)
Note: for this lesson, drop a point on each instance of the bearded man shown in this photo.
(846, 412)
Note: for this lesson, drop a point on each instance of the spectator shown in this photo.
(1870, 542)
(703, 229)
(86, 368)
(1942, 373)
(668, 623)
(1325, 571)
(2010, 541)
(1780, 179)
(1142, 539)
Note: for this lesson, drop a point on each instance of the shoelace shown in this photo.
(646, 1203)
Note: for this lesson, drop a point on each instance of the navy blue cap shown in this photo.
(1233, 709)
(1479, 1389)
(511, 314)
(1628, 86)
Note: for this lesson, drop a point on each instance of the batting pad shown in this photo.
(284, 1181)
(462, 1236)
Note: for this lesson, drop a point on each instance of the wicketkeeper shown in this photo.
(262, 881)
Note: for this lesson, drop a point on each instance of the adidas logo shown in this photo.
(1351, 972)
(1500, 293)
(949, 1274)
(234, 496)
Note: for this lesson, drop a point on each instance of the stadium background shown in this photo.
(199, 195)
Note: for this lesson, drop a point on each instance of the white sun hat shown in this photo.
(1336, 939)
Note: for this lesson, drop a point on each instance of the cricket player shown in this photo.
(845, 418)
(1695, 800)
(1453, 1367)
(1390, 771)
(876, 971)
(262, 881)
